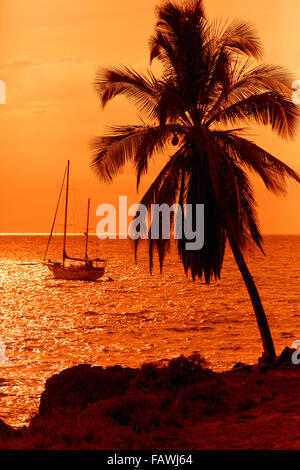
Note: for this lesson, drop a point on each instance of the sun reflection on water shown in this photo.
(48, 325)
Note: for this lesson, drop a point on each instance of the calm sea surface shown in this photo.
(129, 316)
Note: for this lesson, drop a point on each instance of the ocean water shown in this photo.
(130, 317)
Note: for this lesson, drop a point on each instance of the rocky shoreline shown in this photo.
(179, 404)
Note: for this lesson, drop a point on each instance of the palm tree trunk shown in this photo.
(256, 302)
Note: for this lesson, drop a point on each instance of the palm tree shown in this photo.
(212, 82)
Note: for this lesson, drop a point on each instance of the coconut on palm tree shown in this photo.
(212, 86)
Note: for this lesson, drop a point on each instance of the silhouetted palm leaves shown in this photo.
(208, 83)
(210, 86)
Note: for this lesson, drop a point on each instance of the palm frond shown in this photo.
(164, 190)
(249, 225)
(139, 88)
(243, 83)
(272, 170)
(129, 143)
(241, 37)
(178, 44)
(197, 188)
(269, 108)
(170, 106)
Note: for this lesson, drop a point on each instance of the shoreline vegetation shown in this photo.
(175, 404)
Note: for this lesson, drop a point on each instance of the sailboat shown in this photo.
(85, 269)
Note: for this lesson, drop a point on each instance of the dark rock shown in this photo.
(6, 431)
(286, 355)
(114, 368)
(78, 386)
(238, 365)
(242, 366)
(265, 362)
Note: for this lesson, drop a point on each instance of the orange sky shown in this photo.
(49, 51)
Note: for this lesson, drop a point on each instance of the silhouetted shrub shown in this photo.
(177, 372)
(143, 412)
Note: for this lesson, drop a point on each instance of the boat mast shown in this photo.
(87, 229)
(66, 213)
(55, 215)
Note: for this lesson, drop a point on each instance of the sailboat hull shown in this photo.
(86, 270)
(75, 273)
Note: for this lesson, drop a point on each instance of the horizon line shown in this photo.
(76, 234)
(59, 234)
